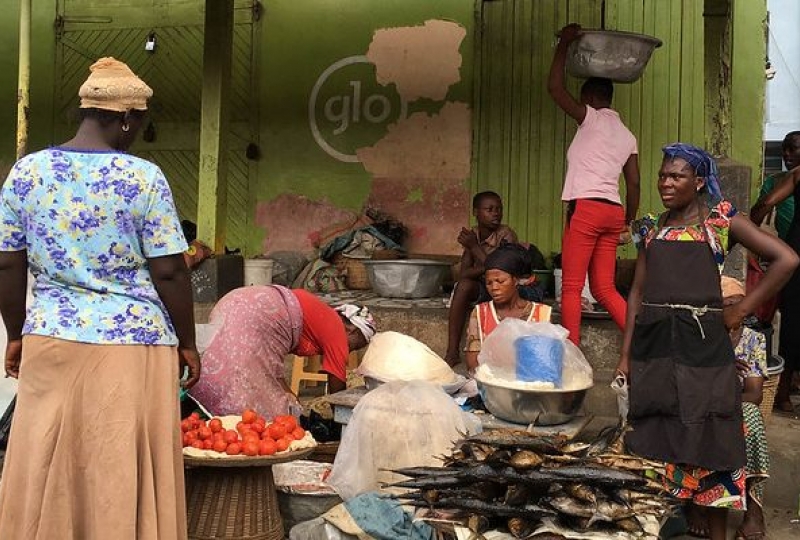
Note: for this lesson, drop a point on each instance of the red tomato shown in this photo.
(189, 438)
(215, 425)
(220, 446)
(195, 415)
(265, 436)
(250, 436)
(218, 436)
(231, 437)
(250, 448)
(283, 444)
(249, 416)
(257, 427)
(198, 444)
(208, 444)
(276, 430)
(241, 427)
(186, 425)
(289, 436)
(267, 447)
(299, 433)
(289, 423)
(204, 433)
(234, 449)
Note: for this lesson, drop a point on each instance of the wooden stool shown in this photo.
(306, 369)
(299, 373)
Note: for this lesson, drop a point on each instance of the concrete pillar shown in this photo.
(735, 181)
(217, 48)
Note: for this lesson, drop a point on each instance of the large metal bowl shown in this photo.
(540, 407)
(619, 56)
(407, 278)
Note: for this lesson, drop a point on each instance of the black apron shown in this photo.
(685, 398)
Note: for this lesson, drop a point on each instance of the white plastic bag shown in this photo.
(498, 352)
(392, 356)
(318, 529)
(620, 387)
(399, 424)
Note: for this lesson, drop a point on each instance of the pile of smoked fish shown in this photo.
(513, 480)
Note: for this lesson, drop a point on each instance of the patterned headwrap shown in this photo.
(112, 86)
(360, 317)
(703, 164)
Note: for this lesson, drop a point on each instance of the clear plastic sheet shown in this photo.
(499, 354)
(399, 424)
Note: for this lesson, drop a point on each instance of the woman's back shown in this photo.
(89, 221)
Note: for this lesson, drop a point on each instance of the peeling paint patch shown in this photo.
(434, 220)
(292, 221)
(423, 146)
(422, 61)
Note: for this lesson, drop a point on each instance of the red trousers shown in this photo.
(590, 244)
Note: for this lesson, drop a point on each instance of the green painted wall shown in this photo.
(9, 29)
(42, 49)
(299, 41)
(748, 85)
(522, 137)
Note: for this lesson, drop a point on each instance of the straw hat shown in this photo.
(112, 86)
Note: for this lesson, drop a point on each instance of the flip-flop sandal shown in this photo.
(758, 535)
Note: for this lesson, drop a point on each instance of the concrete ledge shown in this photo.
(601, 342)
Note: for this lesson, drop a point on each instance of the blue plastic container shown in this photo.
(539, 358)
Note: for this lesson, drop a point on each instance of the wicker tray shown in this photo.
(247, 461)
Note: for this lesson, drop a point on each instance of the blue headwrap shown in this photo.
(703, 164)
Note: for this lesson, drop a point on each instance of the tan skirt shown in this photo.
(94, 451)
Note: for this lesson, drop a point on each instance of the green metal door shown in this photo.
(521, 137)
(88, 30)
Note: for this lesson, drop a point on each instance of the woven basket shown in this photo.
(232, 504)
(768, 397)
(325, 452)
(355, 272)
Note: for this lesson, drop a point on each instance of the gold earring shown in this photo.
(126, 128)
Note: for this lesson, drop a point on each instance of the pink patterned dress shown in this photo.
(244, 365)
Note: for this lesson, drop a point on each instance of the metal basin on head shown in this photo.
(619, 56)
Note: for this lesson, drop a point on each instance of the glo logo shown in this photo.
(348, 109)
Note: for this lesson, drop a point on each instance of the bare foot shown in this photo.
(753, 526)
(697, 521)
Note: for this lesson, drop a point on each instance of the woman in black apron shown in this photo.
(685, 403)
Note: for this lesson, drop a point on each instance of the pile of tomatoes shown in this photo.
(253, 435)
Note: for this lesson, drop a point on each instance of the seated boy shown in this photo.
(478, 242)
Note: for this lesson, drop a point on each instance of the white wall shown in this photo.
(783, 92)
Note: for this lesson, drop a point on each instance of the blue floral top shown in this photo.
(89, 221)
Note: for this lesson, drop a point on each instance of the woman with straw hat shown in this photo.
(94, 450)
